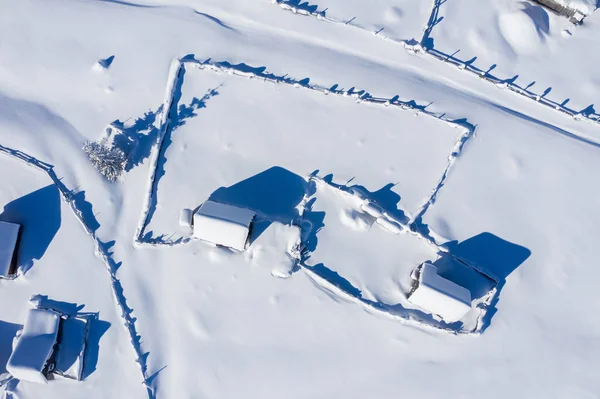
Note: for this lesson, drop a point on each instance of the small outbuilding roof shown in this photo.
(222, 224)
(35, 346)
(440, 296)
(9, 235)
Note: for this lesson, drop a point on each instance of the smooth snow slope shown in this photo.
(217, 325)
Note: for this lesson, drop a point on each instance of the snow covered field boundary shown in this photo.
(101, 250)
(173, 92)
(358, 95)
(456, 150)
(285, 5)
(424, 47)
(395, 312)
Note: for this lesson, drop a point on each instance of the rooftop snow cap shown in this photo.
(35, 346)
(440, 296)
(9, 234)
(222, 224)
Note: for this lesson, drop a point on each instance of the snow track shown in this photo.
(102, 251)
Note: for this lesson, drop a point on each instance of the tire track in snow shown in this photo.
(102, 251)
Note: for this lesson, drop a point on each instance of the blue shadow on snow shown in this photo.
(38, 213)
(273, 194)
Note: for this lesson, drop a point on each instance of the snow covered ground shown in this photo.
(494, 177)
(525, 44)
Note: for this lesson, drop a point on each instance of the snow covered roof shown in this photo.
(35, 346)
(440, 296)
(9, 233)
(71, 350)
(222, 224)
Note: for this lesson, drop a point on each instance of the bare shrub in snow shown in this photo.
(110, 162)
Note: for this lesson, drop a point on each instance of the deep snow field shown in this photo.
(301, 112)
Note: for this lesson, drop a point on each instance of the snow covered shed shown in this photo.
(9, 240)
(439, 296)
(222, 224)
(33, 349)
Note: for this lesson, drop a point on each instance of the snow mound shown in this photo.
(355, 220)
(524, 30)
(104, 63)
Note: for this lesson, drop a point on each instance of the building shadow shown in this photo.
(39, 215)
(87, 212)
(273, 194)
(303, 5)
(7, 332)
(97, 328)
(492, 255)
(496, 256)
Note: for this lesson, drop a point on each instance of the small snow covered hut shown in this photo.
(9, 239)
(30, 359)
(222, 224)
(439, 296)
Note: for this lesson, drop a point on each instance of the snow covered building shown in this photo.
(9, 240)
(50, 342)
(438, 295)
(33, 349)
(222, 224)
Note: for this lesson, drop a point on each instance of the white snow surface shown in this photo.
(510, 188)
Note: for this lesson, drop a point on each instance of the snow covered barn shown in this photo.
(50, 342)
(9, 240)
(438, 295)
(30, 359)
(222, 224)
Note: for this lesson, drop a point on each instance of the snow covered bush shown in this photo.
(110, 162)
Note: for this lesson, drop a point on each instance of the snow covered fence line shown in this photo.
(297, 10)
(421, 47)
(320, 15)
(100, 250)
(379, 213)
(174, 82)
(375, 307)
(361, 96)
(511, 86)
(456, 151)
(354, 192)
